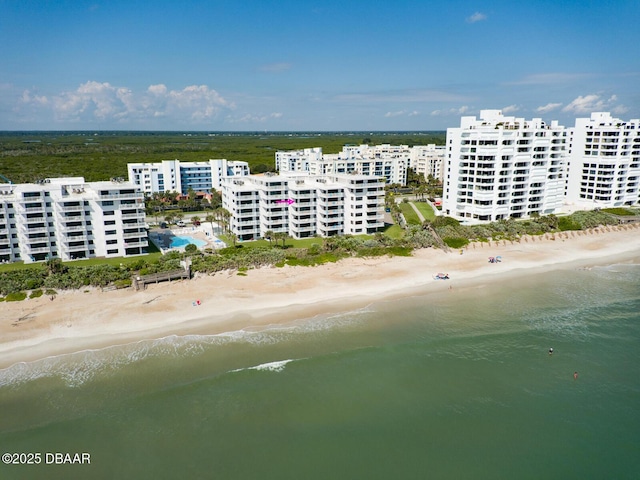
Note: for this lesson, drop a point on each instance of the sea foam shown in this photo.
(75, 369)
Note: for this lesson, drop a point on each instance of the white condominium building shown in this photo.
(428, 160)
(297, 161)
(69, 219)
(386, 161)
(178, 176)
(304, 206)
(499, 167)
(604, 162)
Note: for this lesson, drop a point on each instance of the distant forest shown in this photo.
(31, 156)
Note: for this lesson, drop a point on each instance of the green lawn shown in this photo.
(394, 231)
(409, 214)
(84, 263)
(426, 210)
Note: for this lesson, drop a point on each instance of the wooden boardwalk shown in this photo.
(140, 282)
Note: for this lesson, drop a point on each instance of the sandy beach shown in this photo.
(91, 319)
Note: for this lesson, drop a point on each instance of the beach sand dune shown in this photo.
(80, 320)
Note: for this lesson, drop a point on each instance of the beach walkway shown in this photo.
(415, 209)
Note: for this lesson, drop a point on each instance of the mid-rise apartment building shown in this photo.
(386, 161)
(499, 167)
(428, 160)
(178, 176)
(603, 167)
(68, 218)
(304, 206)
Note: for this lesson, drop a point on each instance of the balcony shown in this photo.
(75, 248)
(39, 219)
(28, 231)
(132, 215)
(75, 238)
(141, 243)
(69, 208)
(21, 209)
(122, 196)
(33, 251)
(76, 228)
(133, 234)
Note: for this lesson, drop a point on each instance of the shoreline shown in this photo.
(76, 321)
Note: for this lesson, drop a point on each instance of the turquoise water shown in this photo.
(449, 386)
(184, 240)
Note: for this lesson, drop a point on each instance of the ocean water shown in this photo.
(457, 385)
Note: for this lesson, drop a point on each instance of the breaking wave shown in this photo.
(75, 369)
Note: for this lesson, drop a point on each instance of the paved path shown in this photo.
(415, 209)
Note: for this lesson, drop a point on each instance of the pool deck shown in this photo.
(162, 237)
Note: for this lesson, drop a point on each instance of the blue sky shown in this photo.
(323, 65)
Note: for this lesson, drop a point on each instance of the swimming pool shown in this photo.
(184, 240)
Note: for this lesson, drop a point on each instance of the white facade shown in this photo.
(604, 162)
(304, 206)
(69, 219)
(428, 160)
(387, 161)
(499, 167)
(178, 176)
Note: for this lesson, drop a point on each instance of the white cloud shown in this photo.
(550, 78)
(476, 17)
(619, 110)
(510, 109)
(28, 97)
(400, 113)
(104, 102)
(452, 111)
(395, 96)
(549, 107)
(159, 89)
(591, 103)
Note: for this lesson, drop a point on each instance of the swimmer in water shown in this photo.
(551, 351)
(575, 375)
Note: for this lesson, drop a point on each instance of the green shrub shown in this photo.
(618, 211)
(190, 249)
(454, 242)
(36, 293)
(15, 297)
(125, 283)
(567, 223)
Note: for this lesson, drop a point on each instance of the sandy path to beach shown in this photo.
(80, 320)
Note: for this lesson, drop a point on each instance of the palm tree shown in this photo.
(216, 199)
(233, 237)
(54, 265)
(170, 217)
(225, 216)
(269, 235)
(281, 236)
(210, 218)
